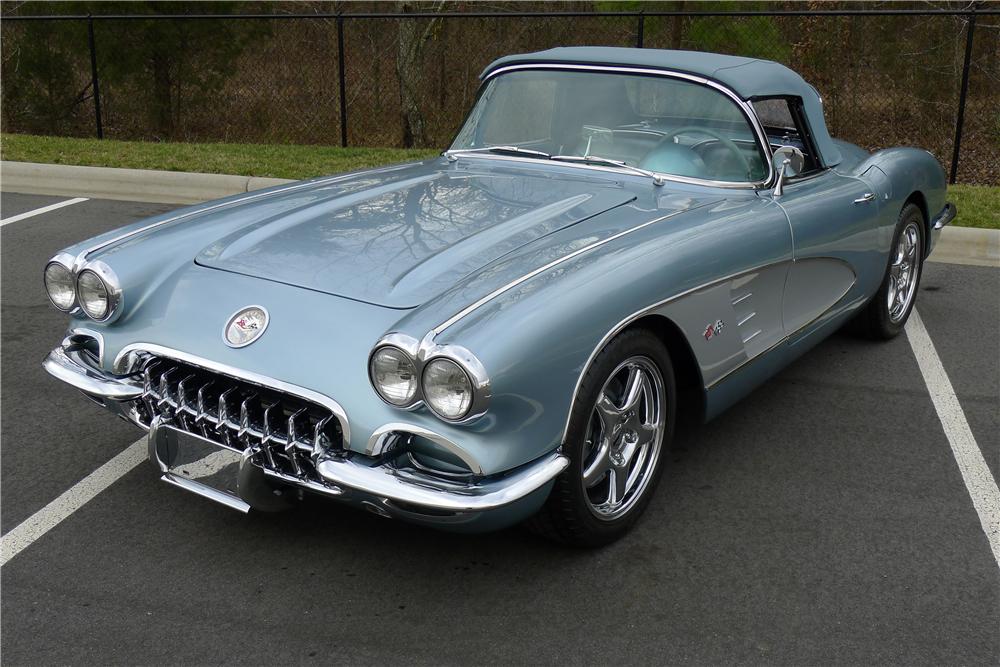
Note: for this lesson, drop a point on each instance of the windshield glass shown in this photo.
(667, 125)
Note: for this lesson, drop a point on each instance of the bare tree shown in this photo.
(409, 72)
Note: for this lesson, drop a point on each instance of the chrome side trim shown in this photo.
(618, 328)
(622, 324)
(741, 299)
(743, 105)
(542, 269)
(784, 339)
(380, 443)
(391, 484)
(71, 369)
(747, 319)
(752, 336)
(126, 361)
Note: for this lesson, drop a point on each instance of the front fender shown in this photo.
(538, 339)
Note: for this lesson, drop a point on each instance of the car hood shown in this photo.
(402, 242)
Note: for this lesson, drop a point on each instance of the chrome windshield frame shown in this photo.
(743, 105)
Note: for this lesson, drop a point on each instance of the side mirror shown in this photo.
(788, 161)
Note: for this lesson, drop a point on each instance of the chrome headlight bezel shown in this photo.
(65, 262)
(422, 353)
(112, 286)
(438, 362)
(413, 396)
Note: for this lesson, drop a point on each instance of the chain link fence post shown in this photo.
(963, 93)
(342, 80)
(640, 31)
(93, 76)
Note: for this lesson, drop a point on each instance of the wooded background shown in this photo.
(886, 80)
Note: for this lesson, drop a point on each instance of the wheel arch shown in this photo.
(918, 199)
(687, 372)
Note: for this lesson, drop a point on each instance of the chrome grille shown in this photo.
(285, 433)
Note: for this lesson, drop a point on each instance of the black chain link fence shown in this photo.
(888, 78)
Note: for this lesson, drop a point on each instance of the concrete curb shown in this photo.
(968, 245)
(163, 187)
(958, 245)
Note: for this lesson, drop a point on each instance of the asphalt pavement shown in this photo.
(822, 520)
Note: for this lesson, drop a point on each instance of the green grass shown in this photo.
(277, 160)
(978, 205)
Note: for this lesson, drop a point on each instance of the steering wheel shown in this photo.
(728, 143)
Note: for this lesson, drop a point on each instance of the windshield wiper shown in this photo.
(515, 150)
(596, 159)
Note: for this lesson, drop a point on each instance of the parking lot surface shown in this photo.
(822, 520)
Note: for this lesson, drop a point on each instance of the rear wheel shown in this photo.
(886, 314)
(621, 424)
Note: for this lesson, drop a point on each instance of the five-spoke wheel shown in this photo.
(621, 422)
(903, 272)
(887, 312)
(624, 438)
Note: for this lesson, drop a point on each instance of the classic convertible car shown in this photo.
(509, 331)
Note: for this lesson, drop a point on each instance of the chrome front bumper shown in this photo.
(945, 217)
(375, 483)
(940, 221)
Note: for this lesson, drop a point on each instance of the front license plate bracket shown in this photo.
(197, 464)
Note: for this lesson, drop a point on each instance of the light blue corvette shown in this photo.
(508, 331)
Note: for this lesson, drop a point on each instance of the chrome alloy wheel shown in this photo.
(903, 272)
(624, 438)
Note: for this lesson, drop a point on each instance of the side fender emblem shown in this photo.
(714, 329)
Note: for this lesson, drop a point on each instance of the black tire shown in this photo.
(569, 515)
(877, 321)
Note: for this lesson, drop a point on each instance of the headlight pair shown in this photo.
(447, 378)
(95, 289)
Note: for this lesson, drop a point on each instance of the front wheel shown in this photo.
(620, 427)
(887, 312)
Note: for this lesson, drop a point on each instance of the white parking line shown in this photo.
(976, 474)
(76, 497)
(39, 211)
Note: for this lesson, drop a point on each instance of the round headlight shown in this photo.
(447, 389)
(94, 297)
(393, 375)
(59, 286)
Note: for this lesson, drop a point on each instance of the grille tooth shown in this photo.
(268, 435)
(202, 419)
(293, 440)
(321, 442)
(241, 415)
(165, 398)
(223, 412)
(249, 404)
(182, 391)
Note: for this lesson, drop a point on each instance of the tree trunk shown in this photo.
(677, 27)
(409, 57)
(409, 76)
(162, 116)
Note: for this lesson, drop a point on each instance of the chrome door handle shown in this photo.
(868, 196)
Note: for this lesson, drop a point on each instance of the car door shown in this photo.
(833, 219)
(834, 231)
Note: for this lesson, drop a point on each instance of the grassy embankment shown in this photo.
(978, 205)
